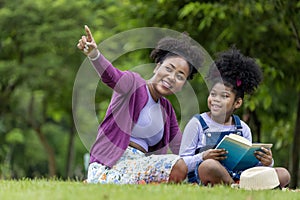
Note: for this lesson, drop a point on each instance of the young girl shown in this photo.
(139, 120)
(232, 76)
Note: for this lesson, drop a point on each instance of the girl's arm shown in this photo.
(189, 144)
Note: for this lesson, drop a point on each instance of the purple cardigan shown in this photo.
(128, 99)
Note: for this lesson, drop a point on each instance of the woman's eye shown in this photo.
(168, 69)
(180, 77)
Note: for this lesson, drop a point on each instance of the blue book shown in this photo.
(240, 152)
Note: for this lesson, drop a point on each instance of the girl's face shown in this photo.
(222, 103)
(169, 77)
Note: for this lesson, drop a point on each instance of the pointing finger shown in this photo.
(88, 33)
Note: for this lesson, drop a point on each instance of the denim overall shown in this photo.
(212, 139)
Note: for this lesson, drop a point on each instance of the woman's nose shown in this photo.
(172, 76)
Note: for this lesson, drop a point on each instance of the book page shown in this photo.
(266, 145)
(240, 139)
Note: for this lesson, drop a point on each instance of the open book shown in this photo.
(240, 152)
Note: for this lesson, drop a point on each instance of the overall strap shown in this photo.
(202, 122)
(204, 127)
(237, 122)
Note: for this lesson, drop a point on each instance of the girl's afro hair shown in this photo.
(182, 47)
(242, 73)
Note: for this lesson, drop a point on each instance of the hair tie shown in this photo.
(238, 82)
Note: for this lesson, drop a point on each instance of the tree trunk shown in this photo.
(296, 150)
(70, 154)
(37, 127)
(257, 124)
(49, 150)
(251, 116)
(296, 138)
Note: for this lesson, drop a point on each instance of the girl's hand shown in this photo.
(264, 156)
(216, 154)
(87, 43)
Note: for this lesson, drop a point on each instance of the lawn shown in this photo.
(42, 189)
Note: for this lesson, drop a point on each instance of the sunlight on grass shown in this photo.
(56, 189)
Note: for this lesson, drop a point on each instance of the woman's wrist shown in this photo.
(94, 54)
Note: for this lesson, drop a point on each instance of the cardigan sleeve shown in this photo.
(119, 81)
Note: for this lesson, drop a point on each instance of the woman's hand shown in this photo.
(216, 154)
(87, 43)
(264, 156)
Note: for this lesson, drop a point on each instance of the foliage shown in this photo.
(39, 61)
(38, 64)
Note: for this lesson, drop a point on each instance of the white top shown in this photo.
(149, 128)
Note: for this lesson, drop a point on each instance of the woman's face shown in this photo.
(169, 77)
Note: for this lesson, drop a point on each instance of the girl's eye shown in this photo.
(224, 96)
(212, 94)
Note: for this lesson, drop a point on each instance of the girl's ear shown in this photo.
(238, 103)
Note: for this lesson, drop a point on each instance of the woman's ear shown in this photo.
(238, 103)
(156, 68)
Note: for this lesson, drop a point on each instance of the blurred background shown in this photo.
(39, 61)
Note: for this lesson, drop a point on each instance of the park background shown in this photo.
(39, 61)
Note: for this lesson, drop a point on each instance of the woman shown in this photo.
(140, 121)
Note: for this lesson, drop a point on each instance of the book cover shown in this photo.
(240, 152)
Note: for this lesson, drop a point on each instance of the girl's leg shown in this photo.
(283, 176)
(178, 172)
(212, 172)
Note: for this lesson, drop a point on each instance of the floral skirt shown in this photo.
(134, 167)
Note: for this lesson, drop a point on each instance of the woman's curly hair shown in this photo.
(237, 71)
(170, 47)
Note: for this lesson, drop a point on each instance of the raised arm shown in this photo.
(110, 75)
(87, 44)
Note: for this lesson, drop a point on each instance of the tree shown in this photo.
(38, 56)
(289, 14)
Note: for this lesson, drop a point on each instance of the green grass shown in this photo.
(56, 189)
